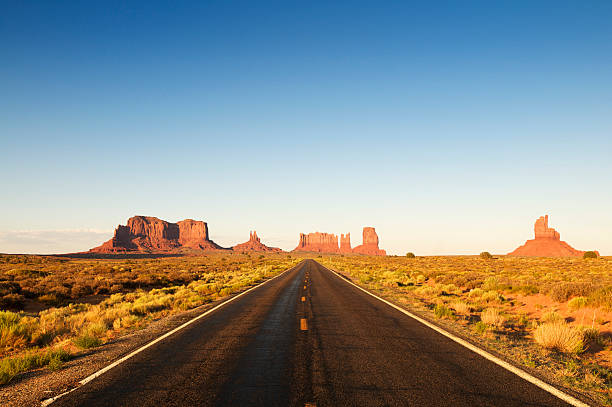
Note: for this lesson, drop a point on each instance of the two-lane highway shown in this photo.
(307, 336)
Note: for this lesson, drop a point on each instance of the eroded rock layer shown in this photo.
(328, 243)
(152, 235)
(254, 245)
(345, 243)
(318, 242)
(370, 243)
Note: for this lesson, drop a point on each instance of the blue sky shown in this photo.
(449, 126)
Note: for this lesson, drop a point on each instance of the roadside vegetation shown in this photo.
(553, 315)
(54, 308)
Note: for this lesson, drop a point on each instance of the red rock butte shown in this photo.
(152, 235)
(370, 244)
(328, 243)
(254, 245)
(318, 242)
(547, 243)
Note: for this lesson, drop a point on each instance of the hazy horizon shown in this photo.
(448, 129)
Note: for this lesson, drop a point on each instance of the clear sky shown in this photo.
(449, 126)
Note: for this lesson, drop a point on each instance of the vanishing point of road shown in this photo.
(307, 338)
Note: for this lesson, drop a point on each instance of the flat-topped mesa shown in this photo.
(254, 245)
(345, 243)
(370, 244)
(152, 235)
(318, 242)
(547, 243)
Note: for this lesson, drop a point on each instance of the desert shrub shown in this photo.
(12, 366)
(590, 255)
(592, 336)
(480, 327)
(441, 311)
(564, 291)
(476, 293)
(492, 317)
(486, 255)
(552, 317)
(491, 283)
(87, 341)
(577, 303)
(461, 307)
(528, 289)
(602, 297)
(410, 255)
(469, 280)
(15, 330)
(491, 296)
(560, 337)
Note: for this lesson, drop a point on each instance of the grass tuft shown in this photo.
(560, 337)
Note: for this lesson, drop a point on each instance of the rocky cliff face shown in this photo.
(345, 243)
(150, 235)
(370, 244)
(547, 243)
(318, 242)
(254, 245)
(542, 231)
(328, 243)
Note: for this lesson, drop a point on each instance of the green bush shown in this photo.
(441, 311)
(12, 366)
(590, 255)
(480, 327)
(577, 303)
(486, 255)
(410, 255)
(87, 341)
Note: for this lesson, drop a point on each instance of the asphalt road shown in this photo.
(355, 351)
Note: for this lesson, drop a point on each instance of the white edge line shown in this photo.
(519, 372)
(100, 372)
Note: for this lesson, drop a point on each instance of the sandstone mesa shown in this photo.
(547, 243)
(328, 243)
(152, 235)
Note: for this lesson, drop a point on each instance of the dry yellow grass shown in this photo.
(559, 336)
(492, 317)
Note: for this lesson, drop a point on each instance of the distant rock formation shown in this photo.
(152, 235)
(345, 243)
(547, 243)
(254, 245)
(370, 244)
(318, 242)
(328, 243)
